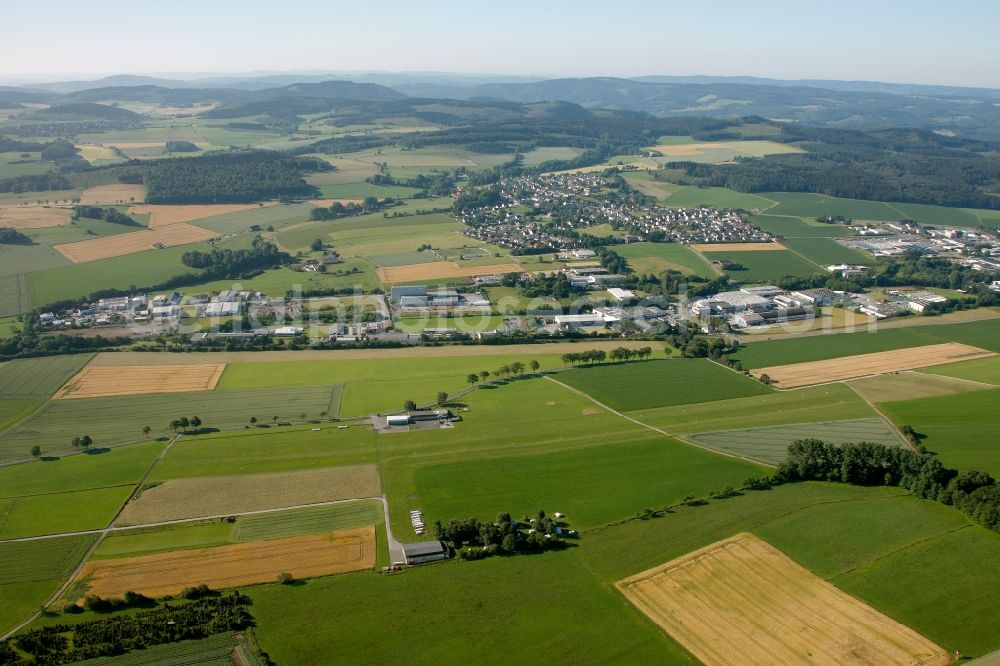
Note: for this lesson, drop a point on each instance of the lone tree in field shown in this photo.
(410, 406)
(85, 442)
(36, 451)
(285, 578)
(253, 421)
(146, 430)
(442, 398)
(516, 368)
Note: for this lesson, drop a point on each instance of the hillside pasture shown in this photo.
(96, 382)
(275, 216)
(661, 383)
(106, 195)
(180, 499)
(769, 445)
(234, 565)
(798, 227)
(850, 367)
(34, 217)
(741, 600)
(717, 197)
(132, 242)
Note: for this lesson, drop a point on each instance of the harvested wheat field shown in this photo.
(742, 601)
(34, 217)
(112, 194)
(97, 382)
(864, 365)
(213, 496)
(233, 566)
(736, 247)
(135, 241)
(435, 270)
(164, 216)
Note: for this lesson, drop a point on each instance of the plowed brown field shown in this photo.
(95, 382)
(742, 601)
(232, 566)
(864, 365)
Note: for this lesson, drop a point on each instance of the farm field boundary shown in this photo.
(736, 247)
(740, 600)
(863, 365)
(163, 216)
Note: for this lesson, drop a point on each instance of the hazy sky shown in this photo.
(915, 41)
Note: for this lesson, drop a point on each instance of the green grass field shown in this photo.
(278, 216)
(719, 197)
(60, 512)
(768, 445)
(13, 298)
(963, 429)
(141, 269)
(32, 379)
(212, 650)
(656, 258)
(546, 153)
(120, 419)
(527, 609)
(643, 385)
(626, 476)
(825, 251)
(801, 204)
(819, 403)
(985, 334)
(262, 450)
(797, 227)
(116, 467)
(17, 259)
(986, 370)
(12, 411)
(766, 265)
(32, 571)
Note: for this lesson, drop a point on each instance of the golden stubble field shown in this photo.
(100, 382)
(232, 566)
(164, 216)
(435, 270)
(112, 194)
(742, 601)
(864, 365)
(210, 496)
(134, 241)
(34, 217)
